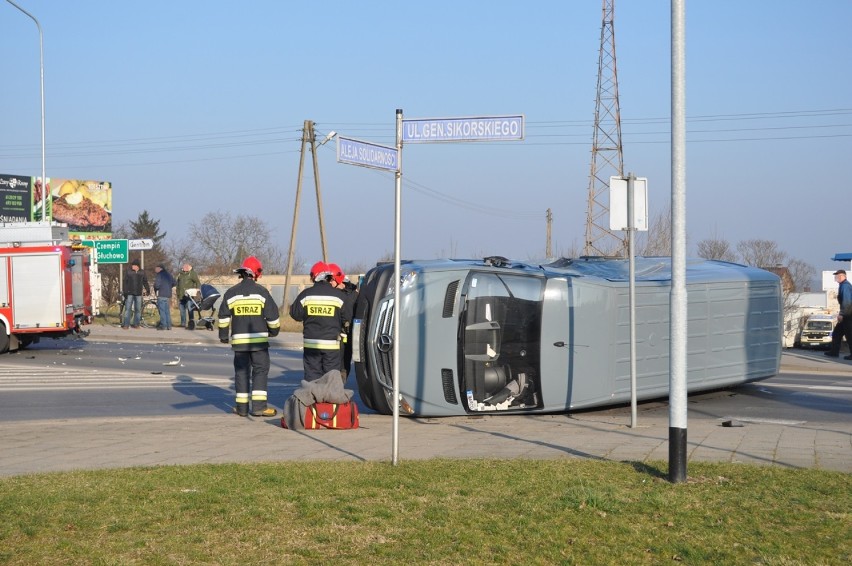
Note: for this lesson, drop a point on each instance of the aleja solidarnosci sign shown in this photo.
(485, 128)
(366, 154)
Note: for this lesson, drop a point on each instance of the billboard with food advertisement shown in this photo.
(15, 198)
(37, 205)
(85, 206)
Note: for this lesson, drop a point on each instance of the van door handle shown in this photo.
(560, 344)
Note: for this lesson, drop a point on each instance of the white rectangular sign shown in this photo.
(142, 244)
(484, 128)
(618, 204)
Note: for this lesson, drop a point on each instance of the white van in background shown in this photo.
(817, 331)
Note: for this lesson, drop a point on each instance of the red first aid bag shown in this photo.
(332, 415)
(319, 415)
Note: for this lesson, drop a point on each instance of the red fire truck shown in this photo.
(44, 284)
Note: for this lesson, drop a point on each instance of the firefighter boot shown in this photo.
(264, 412)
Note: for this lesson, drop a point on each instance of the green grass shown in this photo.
(428, 512)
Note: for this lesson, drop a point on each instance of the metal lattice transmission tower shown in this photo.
(607, 156)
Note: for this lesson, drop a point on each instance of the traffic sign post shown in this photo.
(628, 210)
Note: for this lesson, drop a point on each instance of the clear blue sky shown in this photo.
(193, 106)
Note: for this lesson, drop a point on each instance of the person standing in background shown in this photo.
(164, 284)
(844, 317)
(135, 283)
(186, 279)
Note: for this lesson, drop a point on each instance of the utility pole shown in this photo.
(308, 137)
(607, 155)
(548, 247)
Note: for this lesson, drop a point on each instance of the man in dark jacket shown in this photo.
(163, 285)
(844, 316)
(135, 283)
(249, 315)
(323, 310)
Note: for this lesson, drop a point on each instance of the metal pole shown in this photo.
(44, 194)
(295, 217)
(397, 299)
(313, 140)
(631, 228)
(548, 243)
(677, 355)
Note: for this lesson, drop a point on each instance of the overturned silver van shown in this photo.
(495, 335)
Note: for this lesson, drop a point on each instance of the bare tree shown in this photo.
(181, 252)
(715, 248)
(221, 241)
(801, 274)
(574, 250)
(657, 241)
(761, 253)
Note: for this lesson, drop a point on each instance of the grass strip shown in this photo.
(428, 512)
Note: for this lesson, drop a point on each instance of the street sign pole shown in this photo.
(366, 154)
(631, 228)
(397, 268)
(631, 191)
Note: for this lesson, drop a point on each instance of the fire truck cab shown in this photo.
(44, 284)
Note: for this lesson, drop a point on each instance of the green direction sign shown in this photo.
(109, 251)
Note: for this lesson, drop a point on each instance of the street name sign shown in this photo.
(366, 154)
(484, 128)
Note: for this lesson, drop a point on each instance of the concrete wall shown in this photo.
(275, 284)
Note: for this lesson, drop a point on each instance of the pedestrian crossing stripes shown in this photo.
(17, 378)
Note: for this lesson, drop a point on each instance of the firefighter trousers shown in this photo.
(251, 374)
(319, 362)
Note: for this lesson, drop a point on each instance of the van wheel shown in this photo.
(4, 339)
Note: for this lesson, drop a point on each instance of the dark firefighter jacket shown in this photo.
(323, 310)
(249, 312)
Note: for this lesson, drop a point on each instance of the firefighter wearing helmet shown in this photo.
(323, 310)
(248, 317)
(341, 281)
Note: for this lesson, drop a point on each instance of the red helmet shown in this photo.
(251, 266)
(336, 273)
(318, 267)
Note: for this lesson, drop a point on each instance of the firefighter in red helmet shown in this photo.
(317, 268)
(341, 281)
(248, 317)
(322, 309)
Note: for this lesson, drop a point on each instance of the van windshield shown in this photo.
(819, 325)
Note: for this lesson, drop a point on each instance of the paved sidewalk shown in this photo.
(48, 445)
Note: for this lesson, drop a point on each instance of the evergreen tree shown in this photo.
(146, 227)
